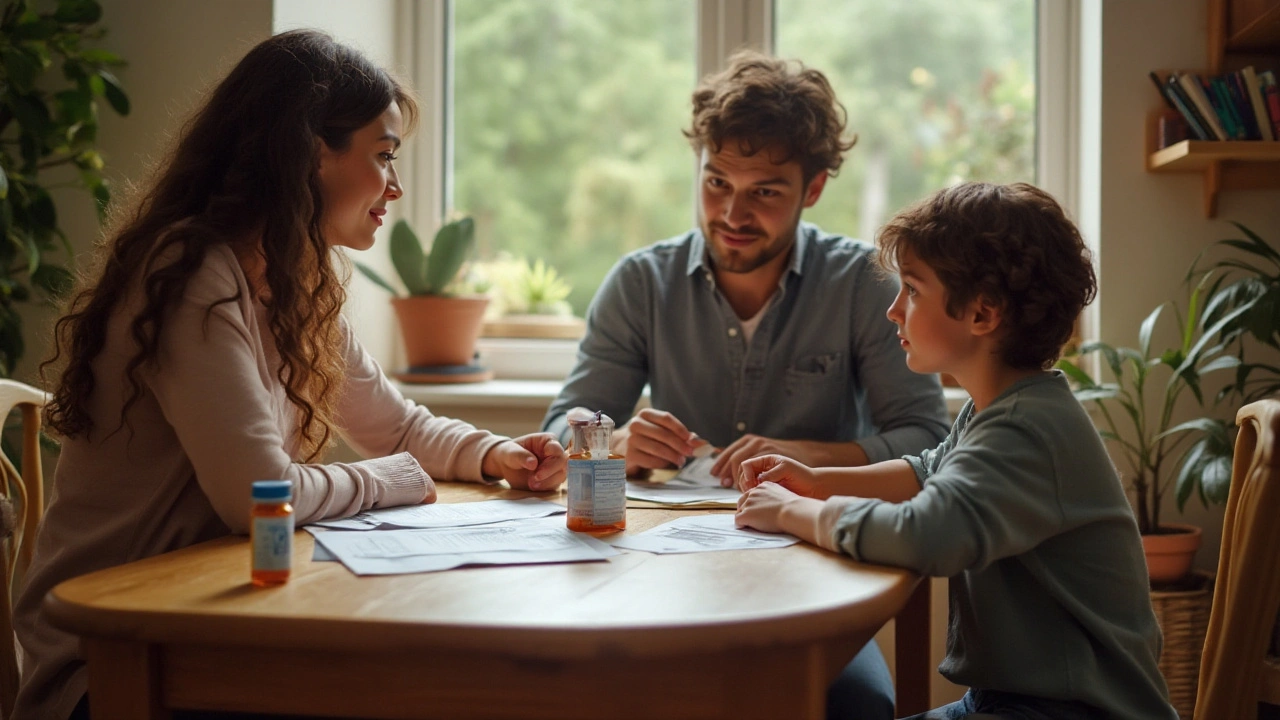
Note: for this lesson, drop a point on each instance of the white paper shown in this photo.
(697, 473)
(701, 533)
(439, 515)
(682, 494)
(519, 542)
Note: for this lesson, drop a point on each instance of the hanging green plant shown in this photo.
(50, 86)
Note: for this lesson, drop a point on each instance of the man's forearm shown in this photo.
(832, 454)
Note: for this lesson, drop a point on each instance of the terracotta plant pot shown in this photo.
(1170, 553)
(440, 330)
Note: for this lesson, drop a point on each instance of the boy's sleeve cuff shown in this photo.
(828, 521)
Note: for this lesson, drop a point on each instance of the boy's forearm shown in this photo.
(891, 481)
(799, 517)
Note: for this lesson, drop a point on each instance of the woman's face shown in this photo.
(359, 182)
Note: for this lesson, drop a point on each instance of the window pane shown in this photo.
(567, 118)
(938, 92)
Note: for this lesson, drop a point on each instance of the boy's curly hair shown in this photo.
(1011, 244)
(762, 102)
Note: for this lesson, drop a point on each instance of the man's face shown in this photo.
(751, 206)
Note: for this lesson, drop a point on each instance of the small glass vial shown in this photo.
(597, 479)
(271, 531)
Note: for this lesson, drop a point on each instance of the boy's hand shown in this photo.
(529, 462)
(748, 446)
(792, 475)
(654, 439)
(762, 507)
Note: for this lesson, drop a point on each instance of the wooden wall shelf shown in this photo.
(1231, 165)
(1198, 155)
(1258, 34)
(1239, 33)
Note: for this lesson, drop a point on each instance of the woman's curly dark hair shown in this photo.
(245, 173)
(762, 102)
(1010, 244)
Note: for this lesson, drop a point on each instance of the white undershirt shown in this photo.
(750, 324)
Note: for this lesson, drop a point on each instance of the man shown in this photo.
(755, 332)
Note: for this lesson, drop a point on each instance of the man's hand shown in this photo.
(729, 462)
(654, 439)
(529, 462)
(792, 475)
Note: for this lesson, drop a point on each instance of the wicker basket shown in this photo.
(1182, 609)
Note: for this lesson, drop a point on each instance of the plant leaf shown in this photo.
(407, 257)
(375, 278)
(449, 250)
(114, 93)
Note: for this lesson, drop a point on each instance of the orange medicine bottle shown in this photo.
(271, 531)
(597, 479)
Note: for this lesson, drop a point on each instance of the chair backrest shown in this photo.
(1234, 676)
(22, 493)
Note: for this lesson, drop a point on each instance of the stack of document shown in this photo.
(702, 533)
(427, 538)
(694, 485)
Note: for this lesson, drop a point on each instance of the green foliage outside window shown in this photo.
(567, 115)
(50, 85)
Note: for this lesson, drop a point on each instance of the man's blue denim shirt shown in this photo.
(824, 364)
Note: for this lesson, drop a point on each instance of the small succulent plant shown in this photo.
(424, 273)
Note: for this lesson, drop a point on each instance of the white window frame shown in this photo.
(723, 27)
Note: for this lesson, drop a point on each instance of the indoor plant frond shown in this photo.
(46, 123)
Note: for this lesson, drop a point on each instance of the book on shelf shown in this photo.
(1271, 96)
(1242, 105)
(1261, 116)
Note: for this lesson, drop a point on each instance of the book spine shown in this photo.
(1261, 117)
(1271, 95)
(1199, 128)
(1217, 91)
(1240, 102)
(1191, 88)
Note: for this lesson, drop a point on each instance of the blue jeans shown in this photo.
(1008, 706)
(863, 690)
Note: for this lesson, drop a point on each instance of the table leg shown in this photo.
(124, 680)
(911, 638)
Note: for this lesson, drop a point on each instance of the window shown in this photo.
(938, 92)
(566, 128)
(566, 114)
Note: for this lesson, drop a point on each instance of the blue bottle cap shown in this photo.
(273, 489)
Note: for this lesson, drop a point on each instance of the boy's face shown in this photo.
(934, 341)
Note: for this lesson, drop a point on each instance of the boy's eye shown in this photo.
(911, 291)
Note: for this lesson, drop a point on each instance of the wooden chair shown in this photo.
(19, 523)
(1235, 674)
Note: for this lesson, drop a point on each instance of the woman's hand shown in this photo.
(529, 462)
(794, 476)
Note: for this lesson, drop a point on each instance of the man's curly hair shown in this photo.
(764, 103)
(1011, 244)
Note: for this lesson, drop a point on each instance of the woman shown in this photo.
(210, 350)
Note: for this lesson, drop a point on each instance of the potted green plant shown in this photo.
(46, 122)
(533, 301)
(439, 320)
(1145, 388)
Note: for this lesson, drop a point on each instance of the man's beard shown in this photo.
(737, 262)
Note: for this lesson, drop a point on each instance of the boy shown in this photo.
(1020, 505)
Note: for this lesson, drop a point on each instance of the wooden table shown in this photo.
(735, 634)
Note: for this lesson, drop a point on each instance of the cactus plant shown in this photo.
(420, 272)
